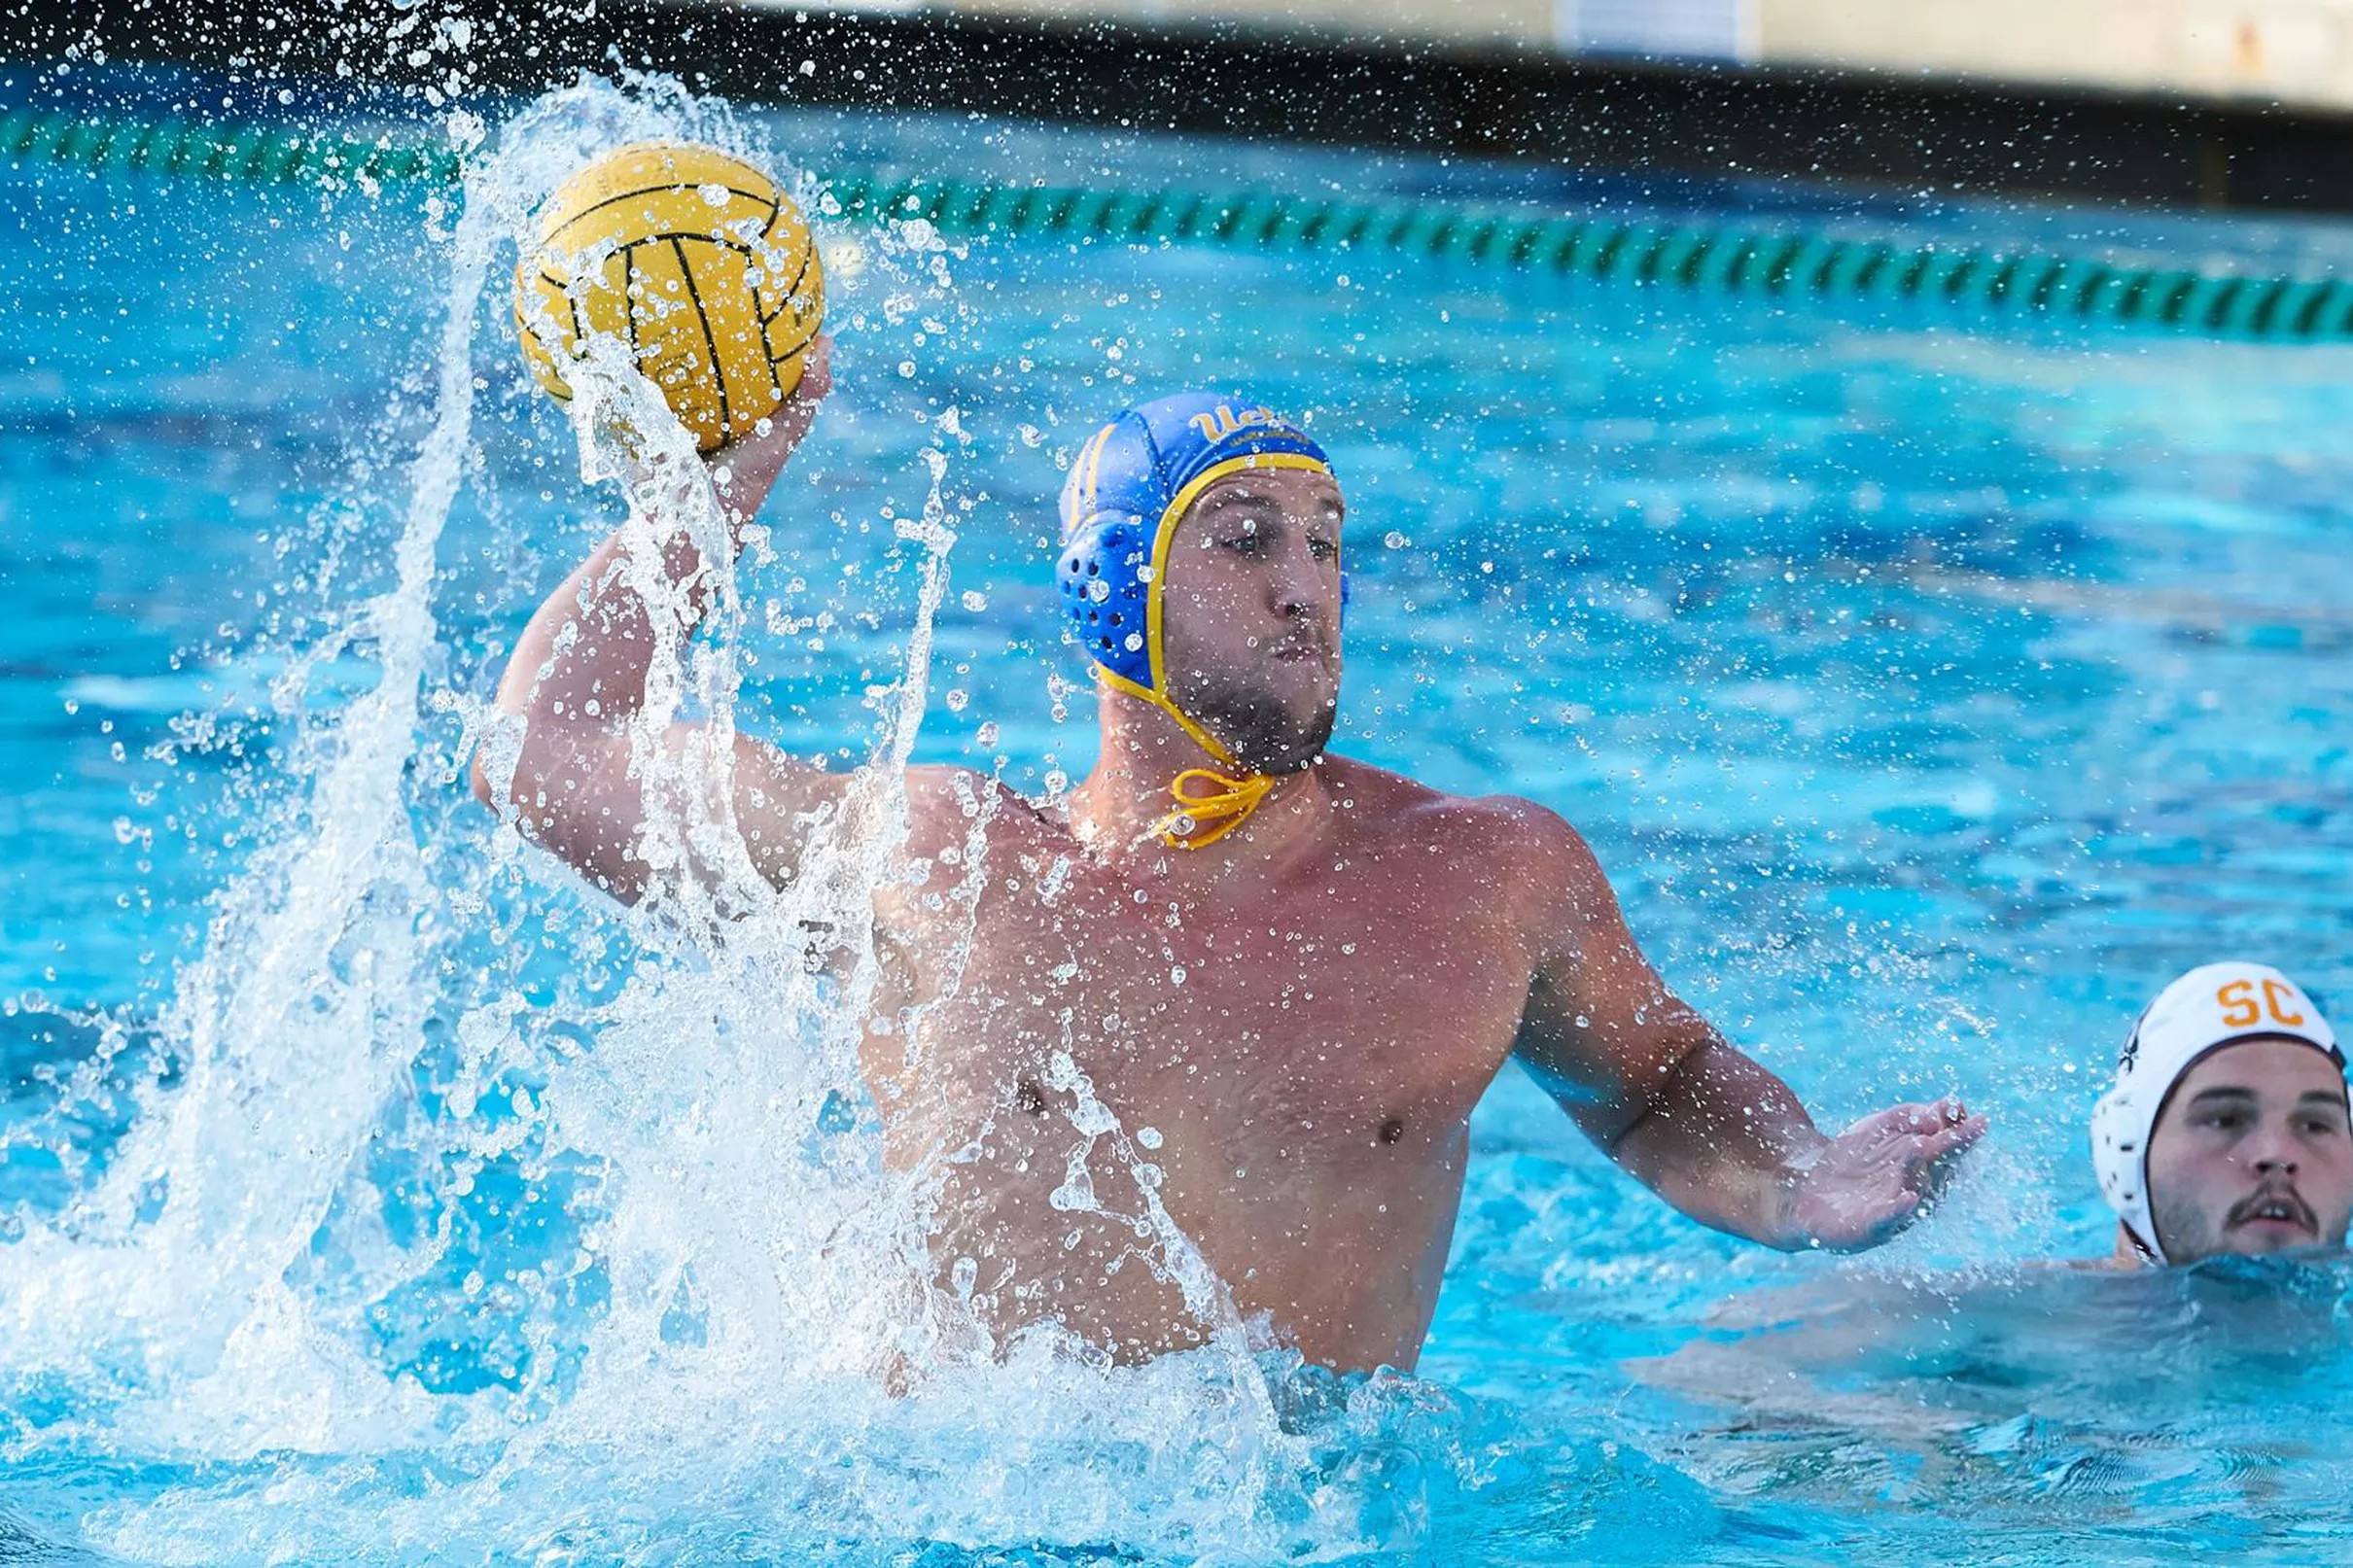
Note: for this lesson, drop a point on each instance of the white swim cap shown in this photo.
(2214, 1005)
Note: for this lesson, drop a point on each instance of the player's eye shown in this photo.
(1323, 550)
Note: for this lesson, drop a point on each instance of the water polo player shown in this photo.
(1232, 1000)
(2225, 1131)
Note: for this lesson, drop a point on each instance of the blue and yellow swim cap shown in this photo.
(1132, 483)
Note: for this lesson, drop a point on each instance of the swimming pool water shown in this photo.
(1932, 692)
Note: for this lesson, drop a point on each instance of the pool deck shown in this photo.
(1904, 134)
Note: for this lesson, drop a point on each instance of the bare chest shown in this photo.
(1358, 1006)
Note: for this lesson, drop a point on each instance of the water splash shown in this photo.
(464, 1215)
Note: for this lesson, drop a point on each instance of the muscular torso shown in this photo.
(1140, 1088)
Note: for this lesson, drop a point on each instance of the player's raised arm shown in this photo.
(1684, 1111)
(564, 769)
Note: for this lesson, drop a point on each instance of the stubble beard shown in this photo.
(2184, 1229)
(1265, 736)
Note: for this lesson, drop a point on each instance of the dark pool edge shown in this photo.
(1953, 138)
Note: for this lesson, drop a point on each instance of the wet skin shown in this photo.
(1108, 1053)
(2251, 1154)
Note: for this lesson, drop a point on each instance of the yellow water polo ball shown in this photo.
(695, 260)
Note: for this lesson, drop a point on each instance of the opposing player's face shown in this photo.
(1250, 616)
(2252, 1155)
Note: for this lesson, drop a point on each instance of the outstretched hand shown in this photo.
(1873, 1180)
(746, 467)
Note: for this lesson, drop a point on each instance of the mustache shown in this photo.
(2274, 1196)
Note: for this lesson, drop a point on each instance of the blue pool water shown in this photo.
(1932, 690)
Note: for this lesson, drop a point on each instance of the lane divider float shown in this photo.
(1713, 257)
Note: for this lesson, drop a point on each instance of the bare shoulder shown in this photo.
(1508, 825)
(1507, 841)
(951, 808)
(958, 822)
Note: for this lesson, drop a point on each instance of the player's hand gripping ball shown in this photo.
(696, 261)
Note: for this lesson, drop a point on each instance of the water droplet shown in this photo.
(1394, 539)
(1148, 1136)
(974, 601)
(957, 700)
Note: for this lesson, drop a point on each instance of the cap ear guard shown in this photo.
(1105, 597)
(2121, 1125)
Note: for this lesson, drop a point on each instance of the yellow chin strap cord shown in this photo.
(1201, 819)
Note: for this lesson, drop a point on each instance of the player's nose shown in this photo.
(2272, 1150)
(1297, 583)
